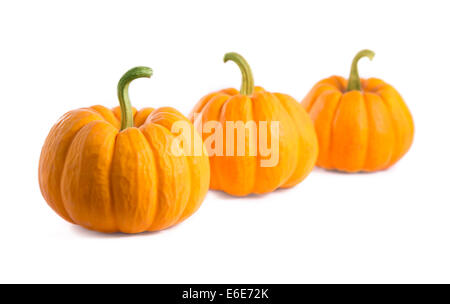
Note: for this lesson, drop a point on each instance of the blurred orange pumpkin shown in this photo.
(112, 170)
(361, 124)
(245, 173)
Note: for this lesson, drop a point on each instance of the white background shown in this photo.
(389, 227)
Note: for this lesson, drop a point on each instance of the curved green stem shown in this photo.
(248, 83)
(122, 92)
(354, 83)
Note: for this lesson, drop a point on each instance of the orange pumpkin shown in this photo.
(253, 170)
(114, 170)
(361, 124)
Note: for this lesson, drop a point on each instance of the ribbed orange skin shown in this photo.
(365, 130)
(243, 175)
(107, 180)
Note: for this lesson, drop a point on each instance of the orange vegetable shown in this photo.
(112, 170)
(361, 124)
(255, 171)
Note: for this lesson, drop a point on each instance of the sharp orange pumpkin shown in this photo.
(244, 173)
(111, 170)
(361, 124)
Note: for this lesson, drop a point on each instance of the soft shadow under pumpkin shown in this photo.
(83, 232)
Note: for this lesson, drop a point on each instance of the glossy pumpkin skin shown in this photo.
(102, 178)
(359, 130)
(243, 175)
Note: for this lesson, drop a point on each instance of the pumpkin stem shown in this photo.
(122, 92)
(354, 83)
(248, 83)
